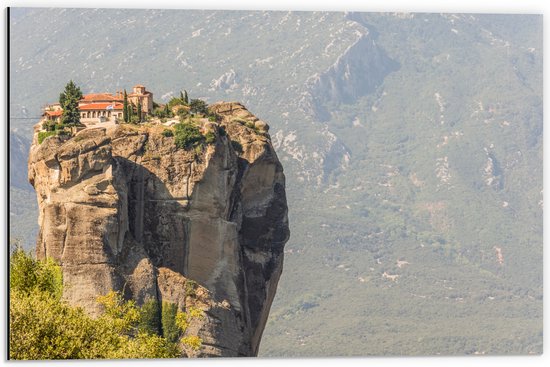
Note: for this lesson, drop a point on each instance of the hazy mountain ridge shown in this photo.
(403, 195)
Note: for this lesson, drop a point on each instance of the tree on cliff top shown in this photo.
(198, 106)
(125, 107)
(68, 100)
(185, 98)
(139, 117)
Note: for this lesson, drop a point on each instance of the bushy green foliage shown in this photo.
(69, 102)
(182, 321)
(45, 134)
(48, 125)
(187, 135)
(175, 102)
(198, 106)
(170, 329)
(192, 341)
(29, 275)
(209, 137)
(162, 112)
(167, 133)
(182, 113)
(150, 317)
(42, 326)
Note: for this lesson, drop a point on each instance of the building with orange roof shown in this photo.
(101, 107)
(53, 115)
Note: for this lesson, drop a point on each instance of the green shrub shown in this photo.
(28, 275)
(170, 330)
(182, 113)
(167, 133)
(175, 102)
(43, 326)
(150, 318)
(42, 135)
(48, 125)
(186, 135)
(210, 137)
(198, 149)
(198, 106)
(190, 286)
(192, 341)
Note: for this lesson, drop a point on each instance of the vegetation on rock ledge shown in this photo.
(43, 326)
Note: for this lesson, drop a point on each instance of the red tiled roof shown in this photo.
(54, 113)
(99, 97)
(100, 106)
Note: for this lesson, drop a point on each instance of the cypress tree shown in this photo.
(185, 98)
(139, 111)
(125, 107)
(150, 320)
(68, 100)
(168, 322)
(166, 110)
(181, 97)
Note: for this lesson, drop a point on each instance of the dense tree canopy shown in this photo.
(198, 106)
(43, 326)
(68, 100)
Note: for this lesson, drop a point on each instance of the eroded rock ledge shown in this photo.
(124, 209)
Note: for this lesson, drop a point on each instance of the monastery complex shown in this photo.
(103, 107)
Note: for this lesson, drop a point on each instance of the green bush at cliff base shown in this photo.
(150, 319)
(42, 326)
(169, 328)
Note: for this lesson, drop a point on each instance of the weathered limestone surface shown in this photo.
(124, 209)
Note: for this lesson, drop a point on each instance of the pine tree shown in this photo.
(139, 111)
(125, 107)
(69, 102)
(185, 98)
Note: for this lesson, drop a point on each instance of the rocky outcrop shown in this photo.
(357, 72)
(123, 209)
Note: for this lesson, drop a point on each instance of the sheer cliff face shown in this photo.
(124, 209)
